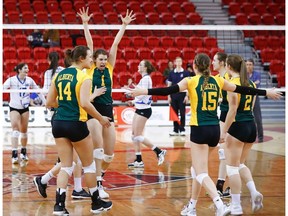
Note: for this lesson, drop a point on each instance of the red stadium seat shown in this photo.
(81, 41)
(21, 40)
(58, 50)
(41, 65)
(112, 18)
(140, 18)
(241, 19)
(187, 7)
(159, 33)
(234, 8)
(203, 50)
(98, 17)
(210, 42)
(125, 42)
(10, 5)
(153, 18)
(129, 53)
(181, 41)
(260, 8)
(161, 7)
(247, 8)
(10, 64)
(195, 42)
(281, 79)
(267, 55)
(39, 53)
(42, 17)
(133, 64)
(9, 53)
(274, 42)
(145, 33)
(273, 8)
(144, 53)
(70, 17)
(66, 5)
(153, 41)
(123, 77)
(120, 6)
(120, 65)
(158, 53)
(108, 41)
(25, 6)
(7, 40)
(166, 41)
(28, 17)
(280, 54)
(147, 6)
(268, 19)
(23, 53)
(97, 41)
(280, 19)
(194, 18)
(173, 52)
(174, 7)
(260, 42)
(38, 6)
(93, 6)
(180, 18)
(188, 53)
(52, 5)
(79, 5)
(136, 77)
(13, 17)
(135, 6)
(162, 64)
(138, 41)
(157, 78)
(276, 66)
(66, 41)
(107, 6)
(167, 18)
(56, 17)
(254, 19)
(214, 50)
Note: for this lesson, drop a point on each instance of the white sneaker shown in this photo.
(188, 210)
(15, 160)
(161, 157)
(225, 210)
(136, 164)
(24, 157)
(173, 133)
(102, 193)
(182, 133)
(257, 202)
(236, 209)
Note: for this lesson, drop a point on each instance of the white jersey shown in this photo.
(144, 101)
(20, 100)
(48, 77)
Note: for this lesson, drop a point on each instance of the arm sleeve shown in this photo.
(164, 91)
(249, 91)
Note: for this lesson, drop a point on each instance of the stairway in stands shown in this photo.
(234, 42)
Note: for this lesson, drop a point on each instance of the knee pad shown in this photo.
(242, 166)
(108, 158)
(221, 154)
(15, 133)
(23, 135)
(68, 170)
(232, 170)
(201, 177)
(138, 138)
(98, 153)
(90, 169)
(193, 173)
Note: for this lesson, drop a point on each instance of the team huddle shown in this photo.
(80, 97)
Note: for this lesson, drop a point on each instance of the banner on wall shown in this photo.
(123, 115)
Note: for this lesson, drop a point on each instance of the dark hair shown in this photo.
(99, 52)
(149, 66)
(19, 67)
(203, 62)
(75, 54)
(222, 57)
(250, 60)
(238, 65)
(54, 58)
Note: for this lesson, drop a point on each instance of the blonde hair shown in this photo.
(238, 65)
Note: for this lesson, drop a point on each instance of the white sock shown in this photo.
(99, 178)
(252, 188)
(77, 184)
(61, 190)
(45, 178)
(193, 203)
(218, 202)
(235, 198)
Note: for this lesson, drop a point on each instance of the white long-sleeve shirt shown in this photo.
(48, 77)
(21, 100)
(144, 101)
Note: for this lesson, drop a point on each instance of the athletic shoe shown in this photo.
(102, 193)
(80, 195)
(41, 188)
(136, 164)
(236, 209)
(225, 210)
(99, 205)
(23, 154)
(15, 160)
(182, 133)
(161, 157)
(257, 202)
(59, 207)
(188, 210)
(227, 193)
(173, 133)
